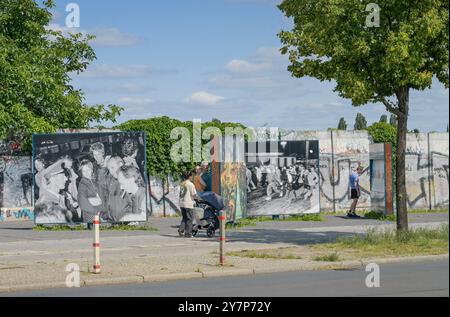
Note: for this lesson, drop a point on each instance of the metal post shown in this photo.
(96, 245)
(223, 221)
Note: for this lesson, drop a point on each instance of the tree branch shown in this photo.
(390, 107)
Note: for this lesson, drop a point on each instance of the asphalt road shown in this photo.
(406, 279)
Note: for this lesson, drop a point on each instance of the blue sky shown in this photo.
(207, 59)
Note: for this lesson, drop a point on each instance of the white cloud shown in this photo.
(117, 71)
(204, 98)
(226, 81)
(111, 37)
(243, 66)
(135, 101)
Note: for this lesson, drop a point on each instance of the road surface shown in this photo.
(403, 279)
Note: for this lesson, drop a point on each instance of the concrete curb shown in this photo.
(172, 277)
(152, 278)
(31, 287)
(134, 279)
(227, 273)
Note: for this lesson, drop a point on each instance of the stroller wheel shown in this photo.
(210, 232)
(194, 233)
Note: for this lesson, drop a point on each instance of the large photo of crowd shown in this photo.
(79, 176)
(282, 177)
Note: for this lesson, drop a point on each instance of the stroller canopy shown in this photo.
(212, 199)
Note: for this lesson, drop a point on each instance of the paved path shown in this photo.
(412, 279)
(35, 257)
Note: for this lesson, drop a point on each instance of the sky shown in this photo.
(204, 59)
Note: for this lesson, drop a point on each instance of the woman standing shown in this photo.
(187, 196)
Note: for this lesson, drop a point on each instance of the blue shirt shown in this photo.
(354, 180)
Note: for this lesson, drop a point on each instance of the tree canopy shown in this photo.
(360, 122)
(330, 41)
(342, 124)
(36, 65)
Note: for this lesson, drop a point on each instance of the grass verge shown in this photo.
(116, 227)
(379, 216)
(392, 243)
(253, 221)
(333, 257)
(265, 254)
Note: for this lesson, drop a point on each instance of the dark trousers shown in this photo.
(187, 221)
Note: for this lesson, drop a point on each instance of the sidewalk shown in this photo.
(39, 259)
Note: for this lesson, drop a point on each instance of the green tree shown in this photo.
(36, 63)
(342, 124)
(382, 132)
(393, 120)
(384, 119)
(332, 41)
(159, 143)
(360, 122)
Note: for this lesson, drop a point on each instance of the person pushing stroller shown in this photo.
(188, 195)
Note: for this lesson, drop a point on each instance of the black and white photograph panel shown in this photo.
(283, 177)
(79, 176)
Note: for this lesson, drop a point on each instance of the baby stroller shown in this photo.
(208, 206)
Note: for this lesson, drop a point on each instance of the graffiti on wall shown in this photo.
(336, 190)
(378, 177)
(16, 180)
(440, 180)
(233, 181)
(16, 214)
(164, 197)
(427, 171)
(417, 172)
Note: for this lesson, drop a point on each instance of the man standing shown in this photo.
(355, 191)
(207, 176)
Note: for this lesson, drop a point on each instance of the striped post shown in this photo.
(223, 221)
(96, 245)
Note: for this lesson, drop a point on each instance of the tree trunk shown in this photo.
(402, 130)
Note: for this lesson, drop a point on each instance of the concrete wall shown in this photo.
(427, 171)
(378, 177)
(340, 151)
(16, 182)
(164, 197)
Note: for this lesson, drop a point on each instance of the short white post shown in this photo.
(223, 222)
(96, 245)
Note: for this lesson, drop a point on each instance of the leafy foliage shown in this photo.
(360, 122)
(342, 124)
(330, 41)
(383, 133)
(384, 118)
(35, 68)
(159, 143)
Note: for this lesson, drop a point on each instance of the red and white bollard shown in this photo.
(223, 222)
(96, 245)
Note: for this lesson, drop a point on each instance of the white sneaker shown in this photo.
(268, 198)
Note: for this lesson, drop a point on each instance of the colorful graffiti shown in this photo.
(17, 214)
(233, 183)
